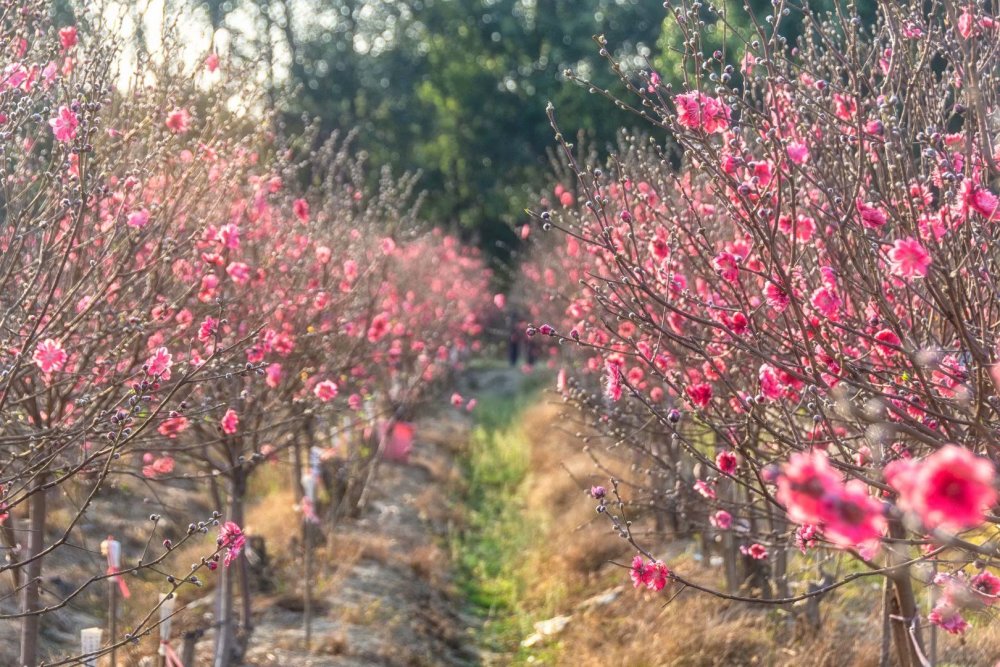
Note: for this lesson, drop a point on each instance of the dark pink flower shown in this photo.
(232, 539)
(697, 111)
(325, 390)
(230, 422)
(727, 462)
(721, 519)
(986, 585)
(755, 551)
(300, 207)
(908, 258)
(139, 218)
(950, 489)
(948, 619)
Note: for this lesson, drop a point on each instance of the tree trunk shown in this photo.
(30, 625)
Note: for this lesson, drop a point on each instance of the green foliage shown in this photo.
(498, 530)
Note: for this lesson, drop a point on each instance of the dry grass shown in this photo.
(570, 565)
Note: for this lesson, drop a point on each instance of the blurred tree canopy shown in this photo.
(457, 88)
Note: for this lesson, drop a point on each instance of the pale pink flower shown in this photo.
(908, 258)
(159, 364)
(178, 120)
(457, 400)
(798, 152)
(138, 219)
(325, 390)
(239, 272)
(49, 356)
(230, 422)
(704, 489)
(272, 375)
(172, 426)
(948, 619)
(64, 124)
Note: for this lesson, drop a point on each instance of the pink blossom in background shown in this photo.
(272, 375)
(755, 551)
(49, 356)
(500, 301)
(457, 400)
(909, 259)
(230, 422)
(721, 519)
(68, 37)
(700, 394)
(138, 219)
(172, 426)
(207, 330)
(300, 207)
(64, 124)
(159, 364)
(948, 619)
(471, 405)
(178, 120)
(239, 272)
(325, 390)
(725, 264)
(212, 62)
(871, 216)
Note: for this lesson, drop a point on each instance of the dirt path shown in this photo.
(390, 598)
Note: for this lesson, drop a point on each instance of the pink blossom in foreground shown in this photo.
(700, 394)
(64, 124)
(230, 422)
(49, 356)
(804, 483)
(951, 489)
(697, 111)
(652, 575)
(325, 390)
(232, 539)
(909, 259)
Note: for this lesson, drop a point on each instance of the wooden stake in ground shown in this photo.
(310, 480)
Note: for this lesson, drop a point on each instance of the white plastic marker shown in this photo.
(170, 658)
(90, 642)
